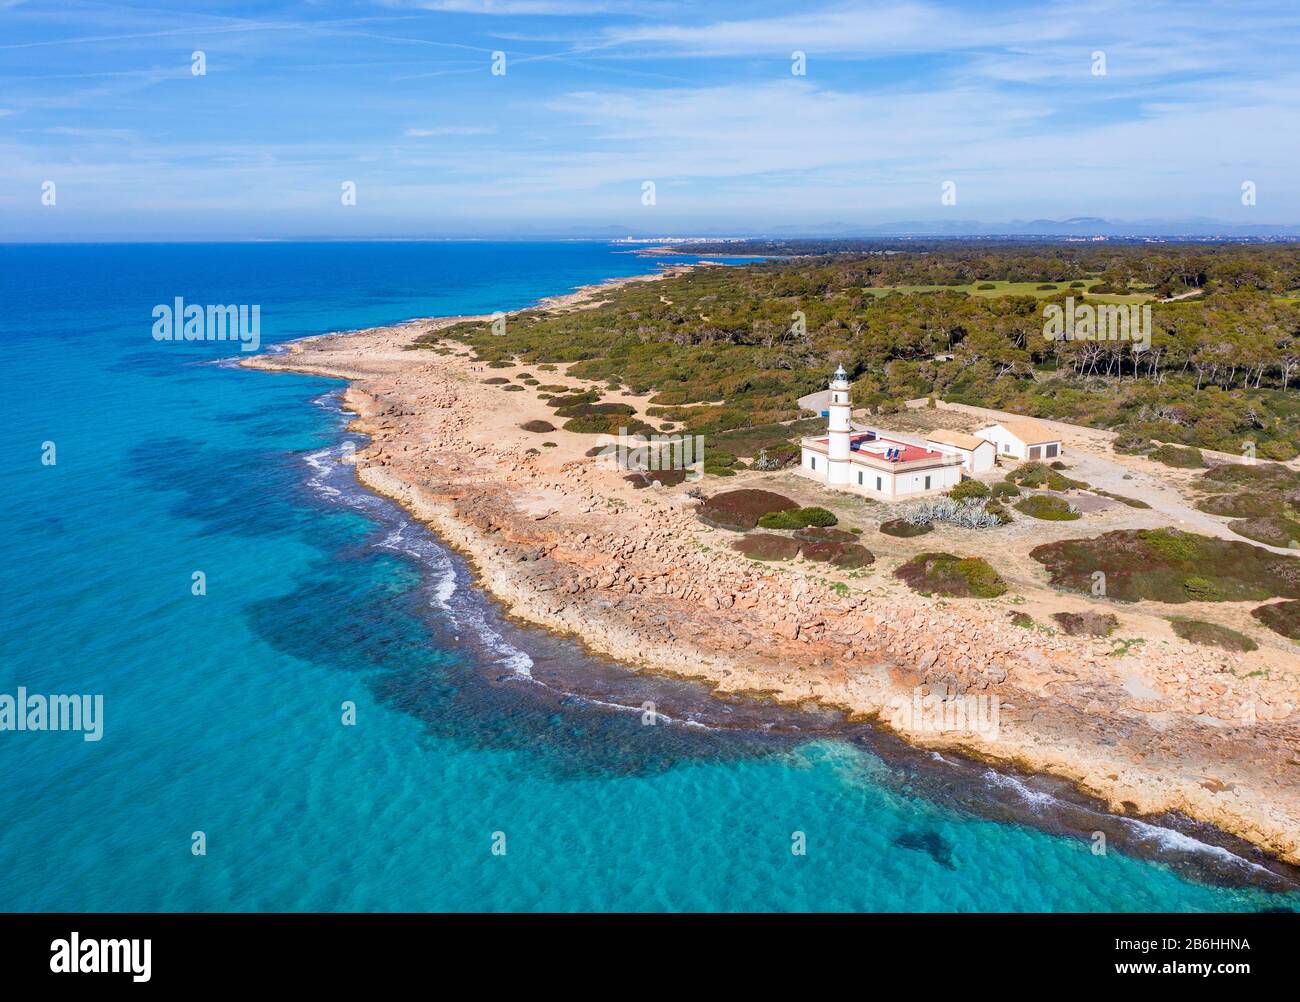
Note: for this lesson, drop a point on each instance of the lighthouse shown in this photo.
(839, 429)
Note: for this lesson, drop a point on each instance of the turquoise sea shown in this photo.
(222, 712)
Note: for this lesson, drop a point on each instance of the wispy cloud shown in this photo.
(400, 97)
(450, 130)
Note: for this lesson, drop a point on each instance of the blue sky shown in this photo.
(398, 96)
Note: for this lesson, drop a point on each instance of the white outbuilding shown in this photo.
(977, 454)
(1022, 438)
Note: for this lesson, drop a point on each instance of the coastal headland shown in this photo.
(566, 541)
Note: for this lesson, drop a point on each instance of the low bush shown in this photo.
(797, 518)
(1275, 531)
(1211, 634)
(1086, 624)
(904, 529)
(1048, 508)
(1042, 476)
(818, 533)
(853, 556)
(1131, 444)
(1168, 565)
(1280, 617)
(951, 576)
(969, 489)
(740, 510)
(1177, 456)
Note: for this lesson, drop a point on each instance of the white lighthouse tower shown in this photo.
(840, 431)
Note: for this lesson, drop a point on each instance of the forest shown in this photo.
(733, 347)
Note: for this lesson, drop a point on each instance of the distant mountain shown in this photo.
(1078, 227)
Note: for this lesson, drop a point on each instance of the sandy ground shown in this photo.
(1143, 720)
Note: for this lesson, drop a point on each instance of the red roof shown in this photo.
(910, 452)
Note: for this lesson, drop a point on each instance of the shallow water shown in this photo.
(222, 711)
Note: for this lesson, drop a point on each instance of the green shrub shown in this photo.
(797, 518)
(817, 516)
(951, 576)
(1040, 475)
(740, 510)
(1156, 564)
(780, 520)
(1171, 544)
(1005, 490)
(1131, 444)
(1047, 507)
(1176, 456)
(969, 489)
(1004, 517)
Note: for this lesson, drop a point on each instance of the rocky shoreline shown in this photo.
(564, 542)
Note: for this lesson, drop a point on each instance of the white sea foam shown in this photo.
(1176, 841)
(322, 463)
(1031, 796)
(335, 482)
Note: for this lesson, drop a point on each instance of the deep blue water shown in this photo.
(222, 711)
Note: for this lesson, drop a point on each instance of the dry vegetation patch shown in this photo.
(951, 576)
(1168, 565)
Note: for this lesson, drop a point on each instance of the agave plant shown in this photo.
(968, 514)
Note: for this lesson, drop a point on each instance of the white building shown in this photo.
(1023, 438)
(977, 454)
(870, 462)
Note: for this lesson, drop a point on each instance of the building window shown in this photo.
(927, 483)
(1051, 451)
(859, 478)
(812, 462)
(1035, 451)
(878, 483)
